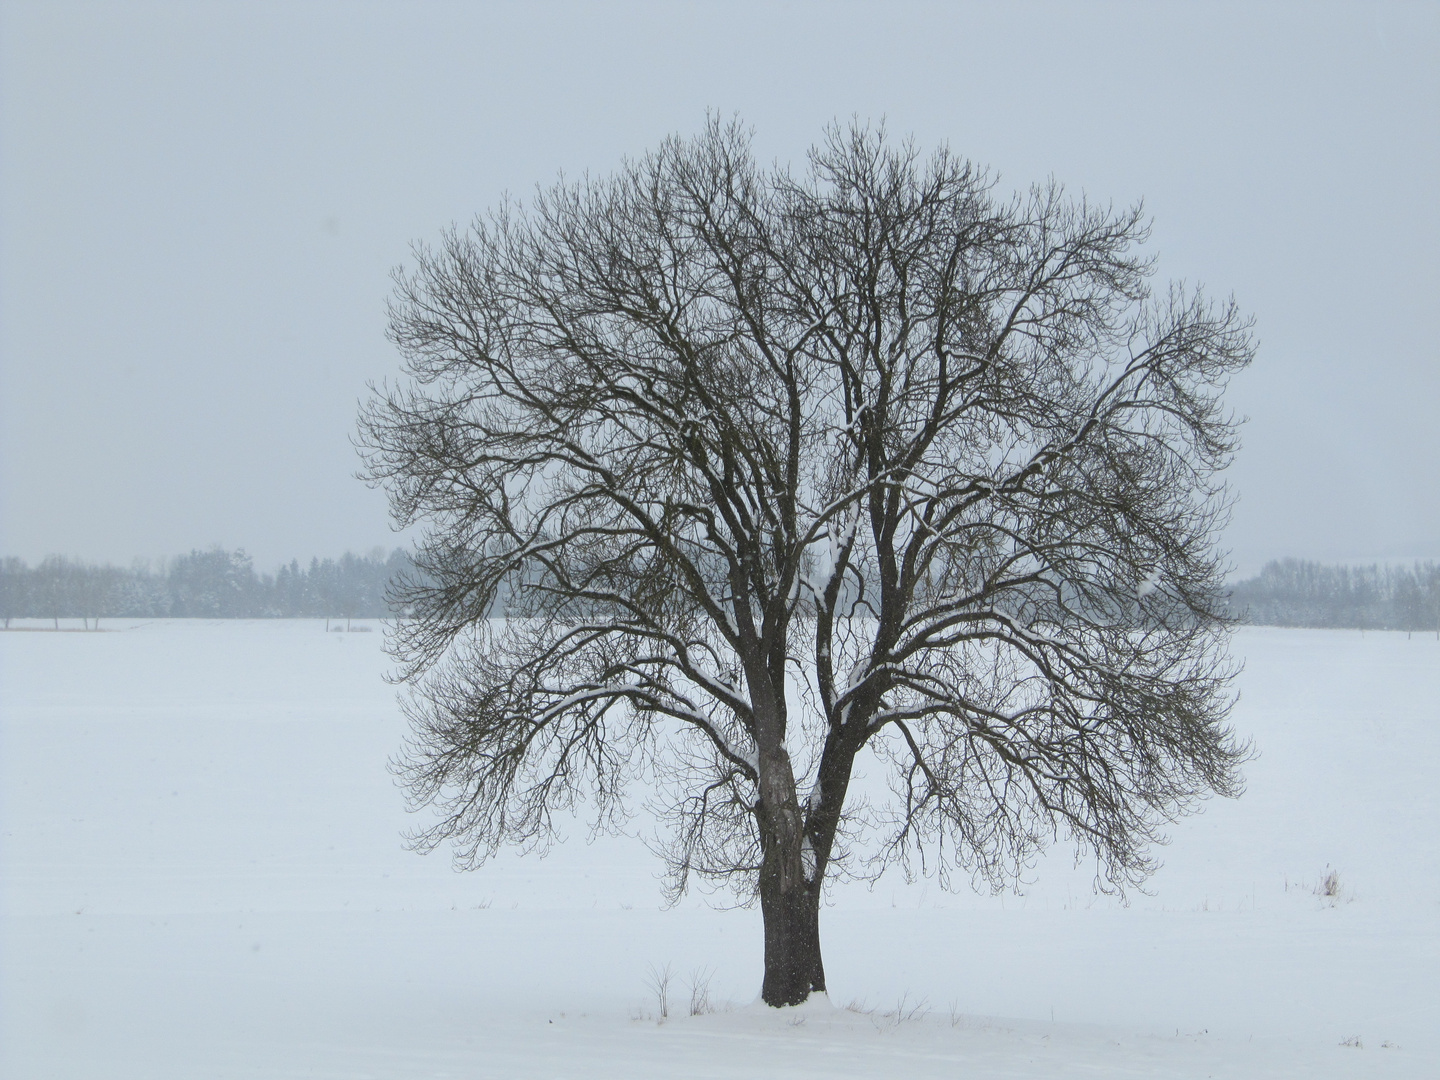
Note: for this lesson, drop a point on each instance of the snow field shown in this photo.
(201, 875)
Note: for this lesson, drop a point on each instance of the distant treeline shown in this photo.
(215, 584)
(219, 584)
(1295, 593)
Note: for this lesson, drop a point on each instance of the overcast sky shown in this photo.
(201, 203)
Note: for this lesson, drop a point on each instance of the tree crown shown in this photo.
(729, 475)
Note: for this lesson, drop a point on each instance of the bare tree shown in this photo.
(15, 578)
(730, 475)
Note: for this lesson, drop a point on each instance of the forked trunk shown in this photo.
(793, 968)
(791, 879)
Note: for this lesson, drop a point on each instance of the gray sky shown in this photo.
(200, 205)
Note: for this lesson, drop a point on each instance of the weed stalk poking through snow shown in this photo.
(659, 982)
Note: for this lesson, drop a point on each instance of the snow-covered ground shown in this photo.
(201, 875)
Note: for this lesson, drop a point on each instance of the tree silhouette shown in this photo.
(728, 475)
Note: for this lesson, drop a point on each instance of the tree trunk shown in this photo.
(790, 907)
(793, 967)
(790, 883)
